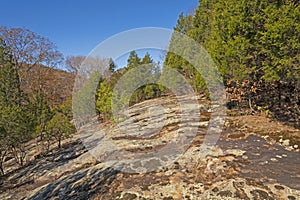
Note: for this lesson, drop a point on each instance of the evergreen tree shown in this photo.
(65, 108)
(146, 74)
(16, 116)
(103, 102)
(3, 148)
(60, 127)
(281, 41)
(184, 23)
(246, 39)
(43, 114)
(83, 102)
(133, 60)
(112, 66)
(147, 59)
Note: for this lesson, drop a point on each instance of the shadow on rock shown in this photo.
(83, 184)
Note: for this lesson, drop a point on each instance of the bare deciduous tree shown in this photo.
(31, 52)
(73, 63)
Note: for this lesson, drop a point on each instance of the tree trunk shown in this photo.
(59, 143)
(1, 169)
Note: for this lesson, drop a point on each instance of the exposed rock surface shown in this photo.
(245, 163)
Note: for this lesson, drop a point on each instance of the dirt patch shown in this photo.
(236, 136)
(264, 126)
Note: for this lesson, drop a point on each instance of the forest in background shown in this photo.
(256, 47)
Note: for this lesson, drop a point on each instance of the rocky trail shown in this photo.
(254, 158)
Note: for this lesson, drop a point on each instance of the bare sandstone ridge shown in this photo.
(254, 158)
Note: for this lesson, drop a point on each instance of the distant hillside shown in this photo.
(56, 84)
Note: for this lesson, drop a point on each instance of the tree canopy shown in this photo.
(247, 39)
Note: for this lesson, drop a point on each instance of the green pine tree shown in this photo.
(103, 102)
(60, 127)
(16, 114)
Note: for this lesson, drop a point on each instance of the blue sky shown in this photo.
(76, 27)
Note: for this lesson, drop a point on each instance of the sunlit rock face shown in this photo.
(241, 165)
